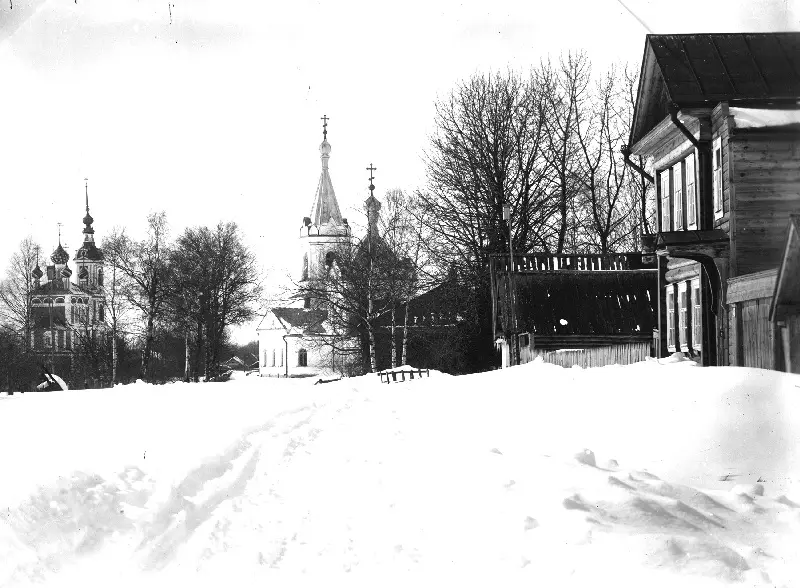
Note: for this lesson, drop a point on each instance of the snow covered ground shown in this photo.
(647, 475)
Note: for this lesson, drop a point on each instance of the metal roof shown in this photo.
(703, 69)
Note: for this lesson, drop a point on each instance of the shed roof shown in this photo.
(787, 284)
(700, 70)
(585, 303)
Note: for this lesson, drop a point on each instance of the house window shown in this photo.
(302, 358)
(677, 191)
(670, 318)
(717, 177)
(683, 316)
(273, 358)
(68, 338)
(307, 302)
(48, 339)
(72, 313)
(101, 313)
(697, 327)
(691, 194)
(305, 266)
(281, 357)
(665, 197)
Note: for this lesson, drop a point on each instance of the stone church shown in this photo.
(65, 314)
(292, 339)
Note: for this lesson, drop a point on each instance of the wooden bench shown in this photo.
(392, 375)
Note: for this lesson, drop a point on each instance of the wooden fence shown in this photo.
(621, 353)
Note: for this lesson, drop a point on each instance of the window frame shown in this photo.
(670, 296)
(716, 178)
(690, 180)
(665, 214)
(302, 358)
(677, 196)
(683, 316)
(697, 314)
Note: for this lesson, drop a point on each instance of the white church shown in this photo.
(291, 339)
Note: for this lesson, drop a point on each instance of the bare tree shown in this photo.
(216, 284)
(143, 266)
(602, 128)
(116, 301)
(16, 289)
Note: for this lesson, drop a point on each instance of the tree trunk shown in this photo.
(186, 368)
(114, 356)
(404, 360)
(148, 345)
(371, 333)
(394, 345)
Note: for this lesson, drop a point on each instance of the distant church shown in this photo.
(291, 340)
(64, 313)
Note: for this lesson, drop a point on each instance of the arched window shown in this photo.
(330, 257)
(48, 339)
(273, 358)
(100, 278)
(36, 301)
(72, 313)
(305, 266)
(101, 313)
(281, 365)
(59, 300)
(302, 358)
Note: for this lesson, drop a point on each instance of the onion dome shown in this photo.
(83, 274)
(66, 273)
(325, 149)
(37, 272)
(89, 251)
(59, 256)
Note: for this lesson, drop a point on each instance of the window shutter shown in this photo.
(691, 197)
(697, 325)
(677, 190)
(665, 196)
(717, 177)
(670, 318)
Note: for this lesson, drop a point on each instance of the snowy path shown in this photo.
(424, 481)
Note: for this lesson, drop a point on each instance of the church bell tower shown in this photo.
(324, 231)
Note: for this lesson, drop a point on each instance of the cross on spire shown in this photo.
(371, 169)
(87, 194)
(59, 233)
(324, 120)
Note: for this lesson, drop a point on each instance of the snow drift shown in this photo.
(656, 473)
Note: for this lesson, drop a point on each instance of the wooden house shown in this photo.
(717, 119)
(602, 308)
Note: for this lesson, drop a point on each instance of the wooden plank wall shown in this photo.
(756, 339)
(621, 354)
(767, 190)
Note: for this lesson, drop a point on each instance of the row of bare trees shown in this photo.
(198, 286)
(549, 145)
(159, 293)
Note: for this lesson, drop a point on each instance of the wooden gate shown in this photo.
(757, 338)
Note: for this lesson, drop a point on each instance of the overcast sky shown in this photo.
(211, 110)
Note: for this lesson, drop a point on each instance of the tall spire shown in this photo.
(372, 203)
(325, 207)
(88, 231)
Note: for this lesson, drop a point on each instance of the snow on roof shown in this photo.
(761, 118)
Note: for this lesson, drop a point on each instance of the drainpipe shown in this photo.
(674, 109)
(626, 157)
